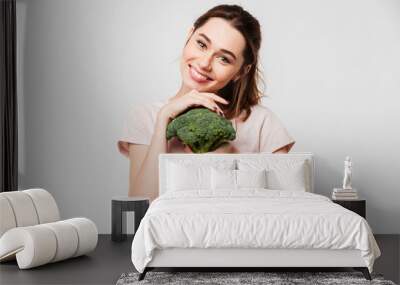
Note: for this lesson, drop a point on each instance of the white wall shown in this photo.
(332, 70)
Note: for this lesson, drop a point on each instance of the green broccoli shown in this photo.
(201, 129)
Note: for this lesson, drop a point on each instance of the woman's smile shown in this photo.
(196, 76)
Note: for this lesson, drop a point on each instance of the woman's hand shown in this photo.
(178, 105)
(224, 148)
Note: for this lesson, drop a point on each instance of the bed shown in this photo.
(247, 210)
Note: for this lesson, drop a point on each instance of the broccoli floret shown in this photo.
(201, 129)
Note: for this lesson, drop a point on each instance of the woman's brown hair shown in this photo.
(242, 93)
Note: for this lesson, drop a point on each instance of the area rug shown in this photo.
(269, 278)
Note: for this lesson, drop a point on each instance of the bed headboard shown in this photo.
(206, 158)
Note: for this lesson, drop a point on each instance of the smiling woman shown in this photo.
(207, 62)
(219, 70)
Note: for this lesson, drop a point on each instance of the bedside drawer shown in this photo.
(357, 206)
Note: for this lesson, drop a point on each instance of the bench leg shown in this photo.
(364, 271)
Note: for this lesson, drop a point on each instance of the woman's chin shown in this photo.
(201, 87)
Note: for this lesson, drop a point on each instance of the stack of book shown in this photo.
(344, 194)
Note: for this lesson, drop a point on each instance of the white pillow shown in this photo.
(189, 174)
(223, 179)
(282, 174)
(183, 178)
(251, 178)
(287, 179)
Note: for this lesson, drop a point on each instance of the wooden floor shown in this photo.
(110, 259)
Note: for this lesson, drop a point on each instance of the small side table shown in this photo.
(357, 206)
(119, 206)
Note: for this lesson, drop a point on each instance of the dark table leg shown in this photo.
(118, 217)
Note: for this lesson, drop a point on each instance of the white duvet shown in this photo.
(250, 218)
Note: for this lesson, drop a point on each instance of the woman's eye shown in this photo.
(225, 59)
(201, 43)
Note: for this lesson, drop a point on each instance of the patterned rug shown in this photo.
(270, 278)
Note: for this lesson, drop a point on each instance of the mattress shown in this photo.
(253, 218)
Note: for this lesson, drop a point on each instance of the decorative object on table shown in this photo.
(347, 173)
(248, 278)
(32, 233)
(346, 192)
(122, 204)
(201, 129)
(358, 206)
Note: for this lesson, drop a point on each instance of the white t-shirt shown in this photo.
(261, 132)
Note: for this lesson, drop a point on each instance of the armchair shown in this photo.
(32, 233)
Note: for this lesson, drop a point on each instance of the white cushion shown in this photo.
(45, 205)
(187, 175)
(227, 179)
(32, 246)
(87, 232)
(287, 179)
(27, 208)
(23, 208)
(251, 178)
(67, 237)
(185, 178)
(7, 215)
(223, 179)
(282, 174)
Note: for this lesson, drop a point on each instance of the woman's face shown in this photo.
(215, 51)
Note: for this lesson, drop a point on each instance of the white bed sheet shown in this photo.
(250, 218)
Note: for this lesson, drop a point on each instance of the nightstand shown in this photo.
(119, 206)
(358, 206)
